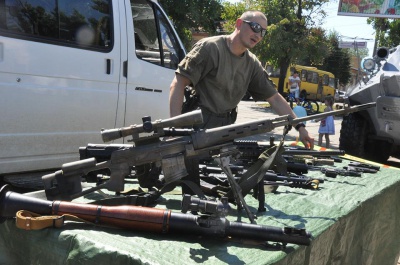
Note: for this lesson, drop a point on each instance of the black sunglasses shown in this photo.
(255, 27)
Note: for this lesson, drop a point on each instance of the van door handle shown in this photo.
(108, 66)
(125, 69)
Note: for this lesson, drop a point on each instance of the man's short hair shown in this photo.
(252, 13)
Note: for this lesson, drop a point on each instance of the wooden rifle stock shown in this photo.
(150, 219)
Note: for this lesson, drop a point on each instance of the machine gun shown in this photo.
(147, 219)
(168, 153)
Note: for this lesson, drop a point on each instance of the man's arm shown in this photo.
(281, 107)
(176, 94)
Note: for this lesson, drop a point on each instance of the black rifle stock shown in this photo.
(151, 219)
(170, 154)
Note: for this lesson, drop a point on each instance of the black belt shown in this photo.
(219, 115)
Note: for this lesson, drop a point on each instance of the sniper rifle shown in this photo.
(169, 153)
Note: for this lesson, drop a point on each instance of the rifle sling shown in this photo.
(32, 221)
(256, 172)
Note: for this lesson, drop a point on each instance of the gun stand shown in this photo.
(223, 161)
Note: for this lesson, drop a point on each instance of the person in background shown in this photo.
(294, 83)
(221, 69)
(327, 125)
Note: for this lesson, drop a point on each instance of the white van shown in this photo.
(71, 67)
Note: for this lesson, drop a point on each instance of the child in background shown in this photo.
(327, 125)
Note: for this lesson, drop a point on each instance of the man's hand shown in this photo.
(305, 138)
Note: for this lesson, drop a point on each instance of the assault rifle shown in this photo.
(212, 223)
(169, 153)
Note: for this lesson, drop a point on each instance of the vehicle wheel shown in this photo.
(311, 107)
(353, 135)
(354, 140)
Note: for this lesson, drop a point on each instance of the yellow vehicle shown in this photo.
(315, 84)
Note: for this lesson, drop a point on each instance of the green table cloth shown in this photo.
(353, 220)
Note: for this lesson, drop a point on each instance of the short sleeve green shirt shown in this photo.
(221, 78)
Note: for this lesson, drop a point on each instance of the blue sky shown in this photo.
(349, 27)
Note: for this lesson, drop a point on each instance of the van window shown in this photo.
(77, 23)
(152, 33)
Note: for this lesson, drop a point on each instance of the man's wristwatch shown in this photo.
(300, 124)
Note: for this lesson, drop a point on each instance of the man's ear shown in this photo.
(238, 23)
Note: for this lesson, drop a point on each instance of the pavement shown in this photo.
(250, 111)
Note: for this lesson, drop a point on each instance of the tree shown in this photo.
(387, 32)
(338, 60)
(316, 48)
(188, 15)
(393, 38)
(230, 13)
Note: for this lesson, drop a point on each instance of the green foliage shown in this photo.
(316, 48)
(188, 15)
(394, 34)
(387, 31)
(338, 60)
(230, 14)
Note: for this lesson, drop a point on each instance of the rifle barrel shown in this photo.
(211, 137)
(335, 112)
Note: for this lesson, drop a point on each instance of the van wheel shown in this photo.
(354, 140)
